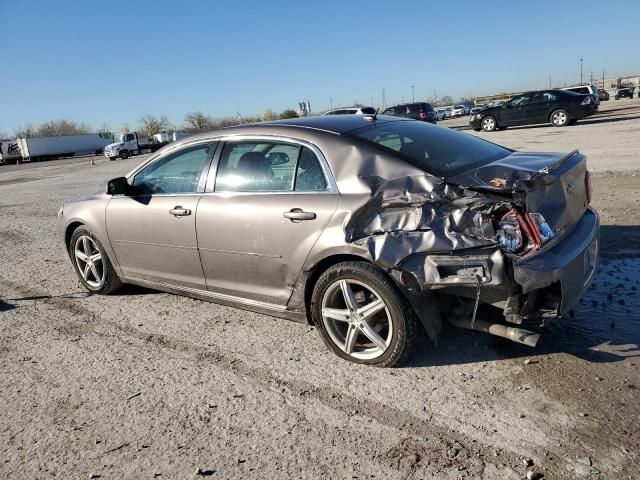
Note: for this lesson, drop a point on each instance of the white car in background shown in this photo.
(351, 111)
(458, 110)
(441, 114)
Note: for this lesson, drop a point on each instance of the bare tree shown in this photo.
(54, 128)
(150, 124)
(198, 121)
(25, 132)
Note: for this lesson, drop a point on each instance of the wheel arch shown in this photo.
(69, 232)
(323, 265)
(314, 273)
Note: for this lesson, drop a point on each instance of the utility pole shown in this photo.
(581, 71)
(384, 99)
(413, 97)
(603, 79)
(331, 102)
(371, 102)
(591, 77)
(550, 80)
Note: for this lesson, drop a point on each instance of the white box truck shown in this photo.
(50, 148)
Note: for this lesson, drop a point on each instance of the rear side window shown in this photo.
(368, 111)
(440, 151)
(268, 167)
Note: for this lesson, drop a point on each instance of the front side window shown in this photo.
(178, 172)
(520, 101)
(440, 151)
(261, 166)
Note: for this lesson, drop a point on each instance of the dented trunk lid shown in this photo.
(553, 184)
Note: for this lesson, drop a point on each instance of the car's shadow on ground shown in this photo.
(604, 327)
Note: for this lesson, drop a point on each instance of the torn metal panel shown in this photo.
(419, 214)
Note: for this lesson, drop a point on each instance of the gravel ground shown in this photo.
(144, 384)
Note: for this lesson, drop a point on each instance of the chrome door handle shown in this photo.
(178, 211)
(298, 215)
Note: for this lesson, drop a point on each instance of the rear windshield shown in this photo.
(437, 150)
(418, 107)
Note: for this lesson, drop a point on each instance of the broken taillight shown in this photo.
(509, 233)
(519, 233)
(587, 185)
(586, 100)
(423, 115)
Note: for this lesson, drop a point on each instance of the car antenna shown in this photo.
(375, 115)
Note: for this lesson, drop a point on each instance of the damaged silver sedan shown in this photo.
(369, 227)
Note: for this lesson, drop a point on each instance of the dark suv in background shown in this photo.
(418, 111)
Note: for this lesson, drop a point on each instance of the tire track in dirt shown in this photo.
(423, 445)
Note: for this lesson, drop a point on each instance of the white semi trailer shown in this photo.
(9, 150)
(50, 148)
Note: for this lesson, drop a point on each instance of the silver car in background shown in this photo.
(368, 227)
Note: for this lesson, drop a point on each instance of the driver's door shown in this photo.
(153, 232)
(514, 112)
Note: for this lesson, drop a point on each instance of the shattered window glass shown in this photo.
(440, 151)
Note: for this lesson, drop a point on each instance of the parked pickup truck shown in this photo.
(128, 144)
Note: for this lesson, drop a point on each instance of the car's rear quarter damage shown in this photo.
(442, 241)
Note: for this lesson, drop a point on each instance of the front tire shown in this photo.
(489, 124)
(560, 118)
(124, 154)
(362, 317)
(91, 263)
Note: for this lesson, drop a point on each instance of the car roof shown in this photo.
(334, 124)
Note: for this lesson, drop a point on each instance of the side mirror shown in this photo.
(118, 186)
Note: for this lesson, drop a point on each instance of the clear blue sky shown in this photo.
(115, 61)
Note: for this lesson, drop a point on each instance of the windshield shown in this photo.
(440, 151)
(119, 138)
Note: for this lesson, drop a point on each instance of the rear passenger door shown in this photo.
(539, 107)
(266, 203)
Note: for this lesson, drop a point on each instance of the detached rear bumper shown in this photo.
(572, 263)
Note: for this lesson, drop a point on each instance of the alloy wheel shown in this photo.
(357, 319)
(559, 118)
(89, 261)
(488, 124)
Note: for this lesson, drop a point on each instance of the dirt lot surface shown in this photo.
(144, 384)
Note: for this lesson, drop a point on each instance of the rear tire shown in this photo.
(384, 338)
(91, 263)
(489, 124)
(559, 118)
